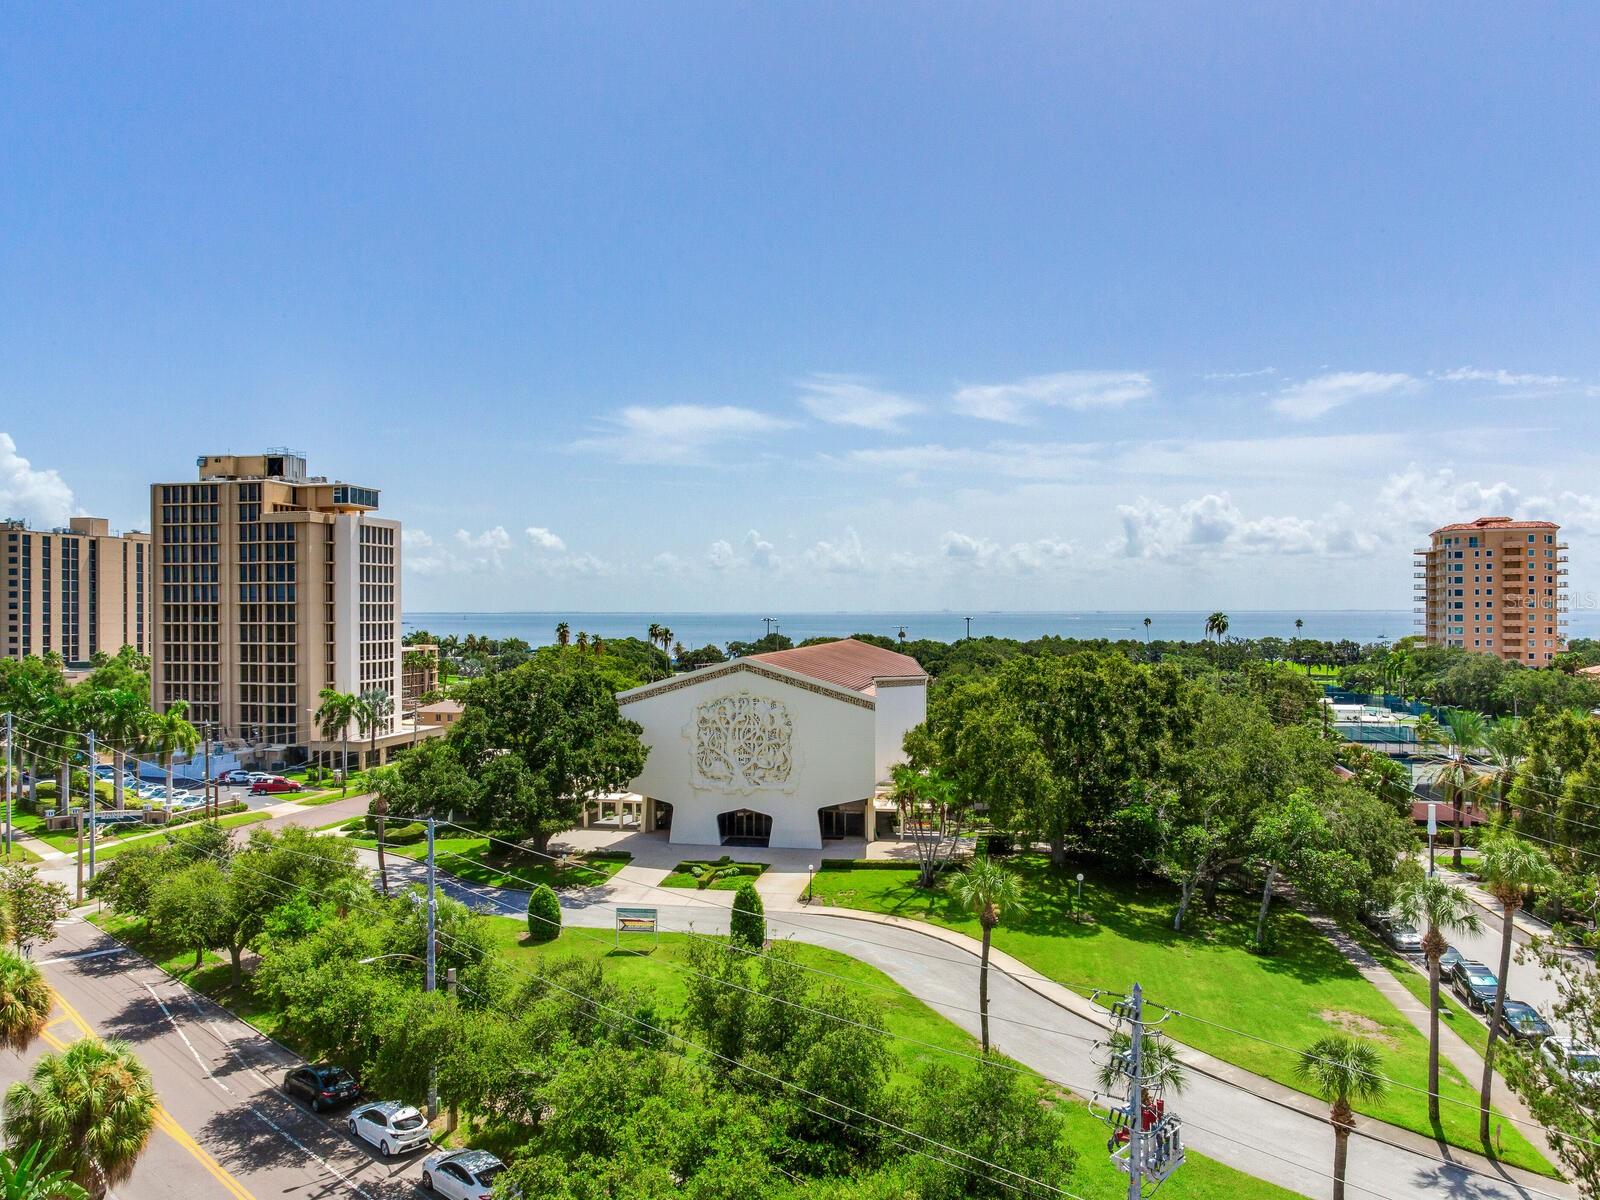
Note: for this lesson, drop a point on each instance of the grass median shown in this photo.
(1263, 1009)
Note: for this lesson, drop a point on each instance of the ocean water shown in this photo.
(700, 628)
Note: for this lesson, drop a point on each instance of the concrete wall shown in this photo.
(900, 708)
(831, 754)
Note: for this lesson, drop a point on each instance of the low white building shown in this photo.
(782, 749)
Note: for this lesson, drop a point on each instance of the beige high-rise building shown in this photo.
(274, 585)
(1495, 585)
(74, 592)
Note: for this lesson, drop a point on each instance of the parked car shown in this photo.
(1572, 1060)
(258, 776)
(1402, 937)
(461, 1174)
(275, 784)
(234, 778)
(1522, 1022)
(393, 1127)
(1474, 983)
(321, 1085)
(1448, 961)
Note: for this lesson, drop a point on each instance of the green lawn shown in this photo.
(478, 860)
(106, 843)
(110, 847)
(659, 971)
(1292, 997)
(683, 875)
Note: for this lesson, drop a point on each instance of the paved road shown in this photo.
(1222, 1119)
(229, 1132)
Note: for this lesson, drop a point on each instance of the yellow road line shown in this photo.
(164, 1120)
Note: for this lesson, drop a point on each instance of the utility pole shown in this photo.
(433, 918)
(450, 990)
(1136, 1094)
(1147, 1140)
(94, 794)
(767, 621)
(8, 785)
(205, 784)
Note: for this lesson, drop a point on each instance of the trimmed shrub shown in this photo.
(544, 914)
(747, 924)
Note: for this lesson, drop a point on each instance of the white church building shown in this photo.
(783, 749)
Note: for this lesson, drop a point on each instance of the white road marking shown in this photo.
(310, 1153)
(174, 1020)
(80, 956)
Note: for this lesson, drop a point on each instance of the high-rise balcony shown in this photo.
(1423, 550)
(1419, 574)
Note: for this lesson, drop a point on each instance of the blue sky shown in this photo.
(814, 306)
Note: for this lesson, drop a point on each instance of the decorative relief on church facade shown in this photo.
(743, 742)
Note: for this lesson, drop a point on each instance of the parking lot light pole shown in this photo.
(432, 978)
(94, 794)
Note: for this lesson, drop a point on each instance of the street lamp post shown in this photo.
(1077, 900)
(810, 876)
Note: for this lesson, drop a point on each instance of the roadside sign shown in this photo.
(637, 920)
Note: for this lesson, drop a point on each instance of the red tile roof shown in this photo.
(1496, 523)
(846, 663)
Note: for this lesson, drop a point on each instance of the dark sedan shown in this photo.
(1523, 1023)
(1475, 984)
(322, 1085)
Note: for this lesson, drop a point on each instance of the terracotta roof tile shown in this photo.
(1496, 523)
(846, 663)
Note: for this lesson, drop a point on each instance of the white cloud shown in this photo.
(1502, 377)
(846, 556)
(1079, 391)
(1240, 374)
(1311, 398)
(752, 551)
(544, 539)
(1213, 524)
(992, 558)
(678, 433)
(42, 497)
(486, 549)
(1018, 460)
(844, 400)
(421, 555)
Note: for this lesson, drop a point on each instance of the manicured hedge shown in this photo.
(747, 924)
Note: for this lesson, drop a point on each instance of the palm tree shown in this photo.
(1441, 908)
(1217, 623)
(373, 708)
(677, 651)
(1299, 624)
(654, 632)
(25, 1000)
(987, 891)
(1465, 731)
(23, 1178)
(170, 733)
(334, 717)
(380, 810)
(91, 1109)
(1340, 1069)
(583, 639)
(1510, 867)
(125, 723)
(1160, 1069)
(1147, 631)
(598, 645)
(666, 640)
(1504, 742)
(563, 634)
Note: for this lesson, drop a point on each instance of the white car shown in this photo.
(258, 777)
(461, 1174)
(393, 1127)
(1572, 1061)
